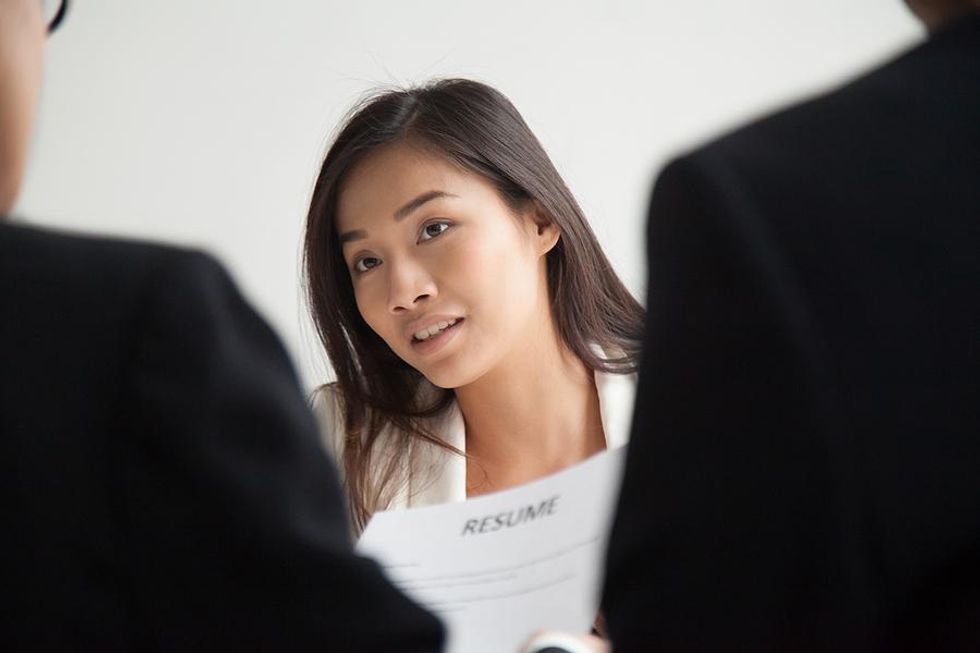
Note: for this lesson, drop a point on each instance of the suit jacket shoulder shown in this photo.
(861, 132)
(806, 425)
(162, 469)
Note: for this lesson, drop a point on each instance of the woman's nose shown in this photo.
(409, 287)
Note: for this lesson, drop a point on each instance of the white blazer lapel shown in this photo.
(616, 395)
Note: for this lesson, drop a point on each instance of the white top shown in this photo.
(435, 475)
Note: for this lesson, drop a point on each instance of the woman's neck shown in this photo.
(535, 414)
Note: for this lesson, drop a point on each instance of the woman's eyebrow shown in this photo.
(351, 236)
(414, 204)
(400, 214)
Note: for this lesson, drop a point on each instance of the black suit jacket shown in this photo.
(161, 482)
(804, 472)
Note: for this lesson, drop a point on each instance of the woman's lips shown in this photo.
(434, 329)
(436, 342)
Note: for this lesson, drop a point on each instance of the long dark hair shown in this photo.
(477, 128)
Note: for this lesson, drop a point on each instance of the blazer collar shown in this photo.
(440, 476)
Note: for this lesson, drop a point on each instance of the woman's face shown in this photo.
(442, 268)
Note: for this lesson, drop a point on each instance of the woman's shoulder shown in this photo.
(327, 403)
(425, 474)
(617, 394)
(328, 408)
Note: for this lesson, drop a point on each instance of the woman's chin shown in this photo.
(449, 377)
(444, 381)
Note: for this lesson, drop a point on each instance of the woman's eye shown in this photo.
(366, 263)
(433, 229)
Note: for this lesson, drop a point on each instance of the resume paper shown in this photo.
(500, 567)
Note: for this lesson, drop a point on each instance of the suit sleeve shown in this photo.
(231, 506)
(728, 534)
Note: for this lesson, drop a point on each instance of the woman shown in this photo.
(479, 335)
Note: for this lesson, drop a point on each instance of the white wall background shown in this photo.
(202, 122)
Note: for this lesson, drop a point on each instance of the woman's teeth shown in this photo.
(425, 334)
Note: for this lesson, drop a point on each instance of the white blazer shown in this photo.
(435, 475)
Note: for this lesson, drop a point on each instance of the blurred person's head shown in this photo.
(937, 13)
(23, 33)
(24, 26)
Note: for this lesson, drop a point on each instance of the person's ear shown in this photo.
(545, 232)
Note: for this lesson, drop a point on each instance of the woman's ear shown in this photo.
(545, 234)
